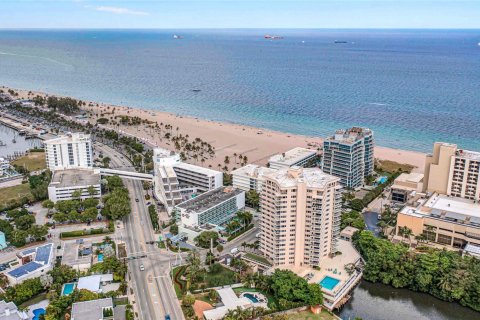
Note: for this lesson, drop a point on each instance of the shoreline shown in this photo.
(258, 144)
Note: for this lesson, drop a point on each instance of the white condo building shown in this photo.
(349, 155)
(300, 216)
(70, 151)
(175, 181)
(295, 157)
(250, 177)
(65, 182)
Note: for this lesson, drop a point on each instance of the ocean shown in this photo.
(412, 87)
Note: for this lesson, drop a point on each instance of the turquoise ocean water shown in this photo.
(413, 87)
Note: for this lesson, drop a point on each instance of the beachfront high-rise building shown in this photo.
(70, 151)
(349, 155)
(175, 181)
(300, 216)
(295, 157)
(452, 171)
(250, 177)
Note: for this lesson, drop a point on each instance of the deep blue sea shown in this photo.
(411, 87)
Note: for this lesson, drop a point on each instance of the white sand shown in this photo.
(257, 144)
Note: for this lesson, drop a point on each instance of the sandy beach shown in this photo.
(228, 139)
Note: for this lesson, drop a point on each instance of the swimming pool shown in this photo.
(68, 288)
(37, 313)
(250, 297)
(382, 179)
(100, 257)
(329, 282)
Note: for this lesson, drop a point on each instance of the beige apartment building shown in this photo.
(300, 216)
(452, 171)
(450, 221)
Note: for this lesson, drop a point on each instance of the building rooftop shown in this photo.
(90, 310)
(209, 199)
(446, 207)
(230, 302)
(253, 170)
(75, 178)
(9, 311)
(69, 138)
(312, 177)
(351, 135)
(466, 154)
(192, 167)
(43, 255)
(71, 256)
(93, 283)
(293, 156)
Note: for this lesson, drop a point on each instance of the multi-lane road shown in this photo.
(154, 293)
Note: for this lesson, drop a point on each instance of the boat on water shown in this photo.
(196, 90)
(271, 37)
(177, 37)
(340, 41)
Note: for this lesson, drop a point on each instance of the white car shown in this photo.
(142, 268)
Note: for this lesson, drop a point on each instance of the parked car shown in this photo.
(142, 268)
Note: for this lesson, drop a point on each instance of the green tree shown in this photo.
(206, 238)
(48, 204)
(60, 217)
(89, 214)
(174, 229)
(24, 222)
(18, 238)
(38, 232)
(188, 300)
(252, 198)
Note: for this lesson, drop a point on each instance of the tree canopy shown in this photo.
(444, 274)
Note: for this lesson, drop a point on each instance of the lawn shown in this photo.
(36, 299)
(257, 258)
(392, 166)
(32, 162)
(223, 277)
(14, 193)
(307, 315)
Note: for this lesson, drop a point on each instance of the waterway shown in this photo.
(21, 145)
(373, 301)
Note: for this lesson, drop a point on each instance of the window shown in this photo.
(444, 239)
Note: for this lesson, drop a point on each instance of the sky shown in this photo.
(178, 14)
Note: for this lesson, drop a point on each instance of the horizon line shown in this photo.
(242, 28)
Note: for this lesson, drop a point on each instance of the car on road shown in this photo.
(142, 268)
(234, 251)
(167, 317)
(136, 200)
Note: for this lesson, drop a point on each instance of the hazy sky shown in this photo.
(240, 14)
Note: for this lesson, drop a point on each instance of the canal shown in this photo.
(374, 301)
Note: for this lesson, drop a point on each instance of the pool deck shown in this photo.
(327, 268)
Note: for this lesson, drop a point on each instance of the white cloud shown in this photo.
(118, 10)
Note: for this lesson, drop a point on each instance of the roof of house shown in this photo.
(43, 255)
(90, 310)
(92, 283)
(9, 311)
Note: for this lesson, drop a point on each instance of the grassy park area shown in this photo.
(32, 162)
(14, 193)
(392, 166)
(307, 315)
